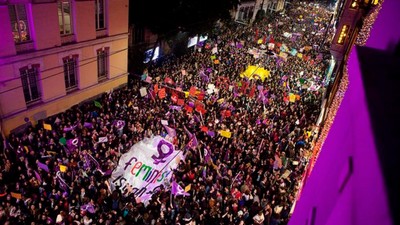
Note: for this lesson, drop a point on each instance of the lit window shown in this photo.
(343, 34)
(102, 63)
(30, 83)
(372, 2)
(19, 23)
(354, 4)
(375, 2)
(100, 14)
(65, 17)
(70, 72)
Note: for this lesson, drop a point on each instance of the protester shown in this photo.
(59, 174)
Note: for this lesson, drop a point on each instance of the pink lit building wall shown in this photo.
(47, 48)
(348, 185)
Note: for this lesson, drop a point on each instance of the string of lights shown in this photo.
(332, 110)
(368, 22)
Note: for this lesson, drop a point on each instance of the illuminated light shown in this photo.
(371, 2)
(354, 4)
(332, 111)
(343, 34)
(368, 22)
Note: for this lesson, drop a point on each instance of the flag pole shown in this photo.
(234, 180)
(261, 144)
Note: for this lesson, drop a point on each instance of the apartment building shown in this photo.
(57, 53)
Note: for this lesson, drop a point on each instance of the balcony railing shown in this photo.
(24, 47)
(66, 39)
(101, 33)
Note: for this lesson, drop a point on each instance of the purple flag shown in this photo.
(119, 124)
(176, 190)
(88, 125)
(43, 166)
(171, 131)
(191, 104)
(91, 158)
(193, 142)
(88, 207)
(207, 155)
(63, 184)
(196, 118)
(204, 172)
(204, 76)
(73, 144)
(175, 107)
(211, 133)
(67, 129)
(235, 93)
(261, 96)
(38, 177)
(187, 131)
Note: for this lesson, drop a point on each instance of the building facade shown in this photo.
(353, 181)
(55, 54)
(247, 9)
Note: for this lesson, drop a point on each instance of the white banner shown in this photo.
(145, 167)
(143, 91)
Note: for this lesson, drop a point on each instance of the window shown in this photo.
(70, 72)
(30, 83)
(343, 34)
(64, 17)
(19, 23)
(100, 14)
(354, 4)
(102, 63)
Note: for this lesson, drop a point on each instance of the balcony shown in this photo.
(67, 39)
(24, 46)
(101, 33)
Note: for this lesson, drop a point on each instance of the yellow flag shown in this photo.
(187, 188)
(186, 94)
(226, 134)
(300, 55)
(63, 168)
(221, 100)
(292, 97)
(47, 126)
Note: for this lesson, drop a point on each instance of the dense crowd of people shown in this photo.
(253, 177)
